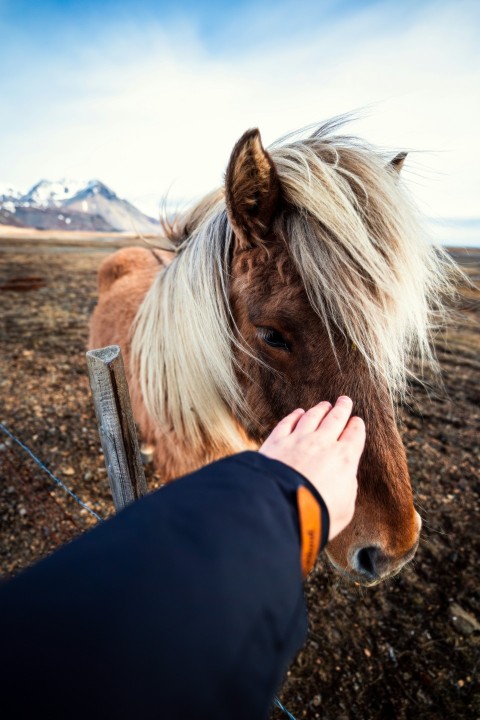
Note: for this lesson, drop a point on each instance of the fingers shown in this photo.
(354, 435)
(310, 420)
(286, 426)
(334, 423)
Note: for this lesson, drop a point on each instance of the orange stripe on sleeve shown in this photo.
(310, 528)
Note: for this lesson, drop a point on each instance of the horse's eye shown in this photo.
(274, 339)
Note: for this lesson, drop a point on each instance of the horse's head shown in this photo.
(305, 279)
(320, 283)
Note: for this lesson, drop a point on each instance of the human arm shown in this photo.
(189, 603)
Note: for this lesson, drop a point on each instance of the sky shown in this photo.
(150, 97)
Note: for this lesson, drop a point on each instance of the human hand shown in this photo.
(325, 445)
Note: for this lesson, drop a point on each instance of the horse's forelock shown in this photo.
(360, 251)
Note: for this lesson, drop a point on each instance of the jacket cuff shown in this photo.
(313, 517)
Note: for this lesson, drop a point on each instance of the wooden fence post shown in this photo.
(116, 425)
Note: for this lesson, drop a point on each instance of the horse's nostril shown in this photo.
(366, 562)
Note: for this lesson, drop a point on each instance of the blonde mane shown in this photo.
(359, 250)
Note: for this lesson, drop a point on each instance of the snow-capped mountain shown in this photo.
(8, 199)
(97, 199)
(72, 205)
(8, 193)
(51, 194)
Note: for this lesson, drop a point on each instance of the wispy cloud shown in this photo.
(147, 105)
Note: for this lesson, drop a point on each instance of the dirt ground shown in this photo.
(406, 649)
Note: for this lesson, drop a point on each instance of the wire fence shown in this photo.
(80, 502)
(49, 473)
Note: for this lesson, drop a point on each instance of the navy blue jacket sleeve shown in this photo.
(188, 604)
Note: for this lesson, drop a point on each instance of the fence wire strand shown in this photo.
(49, 473)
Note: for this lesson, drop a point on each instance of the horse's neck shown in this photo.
(174, 457)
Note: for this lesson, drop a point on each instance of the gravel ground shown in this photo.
(406, 649)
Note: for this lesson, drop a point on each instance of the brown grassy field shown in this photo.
(406, 649)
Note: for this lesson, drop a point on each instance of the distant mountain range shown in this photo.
(92, 206)
(70, 205)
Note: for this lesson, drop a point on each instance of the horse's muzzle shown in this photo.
(371, 564)
(367, 558)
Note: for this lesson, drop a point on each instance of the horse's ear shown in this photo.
(252, 188)
(398, 161)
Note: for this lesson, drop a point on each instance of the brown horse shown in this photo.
(305, 278)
